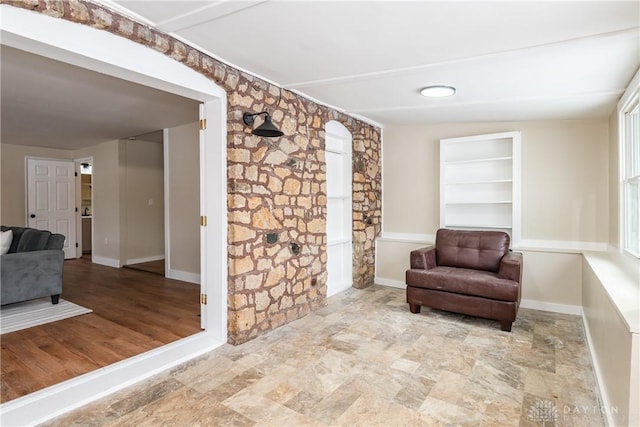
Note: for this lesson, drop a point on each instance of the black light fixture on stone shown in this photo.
(267, 128)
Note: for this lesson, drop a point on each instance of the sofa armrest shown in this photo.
(424, 258)
(511, 267)
(29, 275)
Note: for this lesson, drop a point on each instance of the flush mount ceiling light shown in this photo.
(437, 91)
(267, 128)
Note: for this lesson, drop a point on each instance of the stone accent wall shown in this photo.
(277, 202)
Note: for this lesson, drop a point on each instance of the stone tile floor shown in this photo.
(364, 359)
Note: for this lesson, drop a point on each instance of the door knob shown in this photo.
(32, 215)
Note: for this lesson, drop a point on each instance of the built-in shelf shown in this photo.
(480, 182)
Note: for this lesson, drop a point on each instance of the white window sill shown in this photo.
(620, 277)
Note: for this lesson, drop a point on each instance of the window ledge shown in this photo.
(620, 278)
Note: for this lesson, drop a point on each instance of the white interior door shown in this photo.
(339, 209)
(51, 195)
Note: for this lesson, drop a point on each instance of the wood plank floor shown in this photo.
(133, 312)
(156, 267)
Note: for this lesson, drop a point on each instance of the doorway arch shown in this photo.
(109, 54)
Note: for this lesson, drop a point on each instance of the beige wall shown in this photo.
(183, 198)
(143, 189)
(565, 197)
(565, 191)
(13, 179)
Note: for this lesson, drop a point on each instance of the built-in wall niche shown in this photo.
(480, 183)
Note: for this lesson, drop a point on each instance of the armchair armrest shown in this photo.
(511, 267)
(424, 258)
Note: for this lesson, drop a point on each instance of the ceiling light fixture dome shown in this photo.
(437, 91)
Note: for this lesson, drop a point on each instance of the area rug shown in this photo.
(22, 315)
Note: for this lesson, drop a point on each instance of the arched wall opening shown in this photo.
(109, 54)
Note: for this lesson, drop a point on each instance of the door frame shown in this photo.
(79, 236)
(110, 54)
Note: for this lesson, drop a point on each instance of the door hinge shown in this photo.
(76, 209)
(203, 124)
(203, 220)
(203, 299)
(76, 244)
(76, 173)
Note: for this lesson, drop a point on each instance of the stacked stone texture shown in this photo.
(277, 204)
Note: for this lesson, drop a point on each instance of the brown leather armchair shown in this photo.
(467, 272)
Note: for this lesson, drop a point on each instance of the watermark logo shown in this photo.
(543, 411)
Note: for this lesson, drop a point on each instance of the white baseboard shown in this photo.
(551, 307)
(109, 262)
(145, 259)
(184, 276)
(604, 398)
(390, 283)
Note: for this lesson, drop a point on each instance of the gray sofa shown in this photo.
(33, 266)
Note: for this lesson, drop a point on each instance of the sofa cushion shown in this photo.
(464, 281)
(56, 241)
(6, 237)
(480, 250)
(33, 240)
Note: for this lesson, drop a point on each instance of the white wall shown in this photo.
(565, 199)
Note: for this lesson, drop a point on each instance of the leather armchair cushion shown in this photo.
(464, 281)
(471, 249)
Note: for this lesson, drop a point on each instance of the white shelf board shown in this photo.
(485, 160)
(490, 181)
(478, 226)
(494, 202)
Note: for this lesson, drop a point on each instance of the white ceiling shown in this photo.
(52, 104)
(508, 60)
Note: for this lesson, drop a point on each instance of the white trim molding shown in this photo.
(427, 239)
(551, 307)
(567, 246)
(390, 283)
